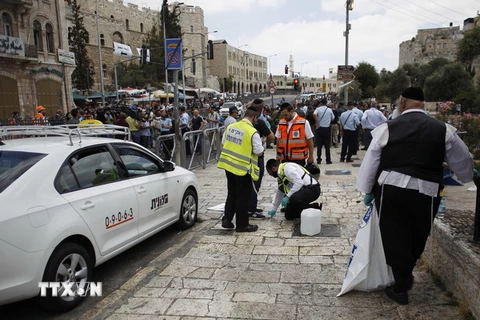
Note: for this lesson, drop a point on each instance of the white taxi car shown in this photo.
(73, 200)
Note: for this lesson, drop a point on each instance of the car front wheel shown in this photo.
(70, 263)
(188, 210)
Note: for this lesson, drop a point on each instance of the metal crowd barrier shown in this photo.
(165, 145)
(194, 141)
(213, 138)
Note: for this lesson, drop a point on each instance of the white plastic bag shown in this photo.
(367, 268)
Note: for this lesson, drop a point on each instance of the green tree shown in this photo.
(469, 47)
(368, 79)
(392, 85)
(448, 82)
(82, 76)
(428, 69)
(354, 92)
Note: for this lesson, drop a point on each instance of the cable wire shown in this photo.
(438, 4)
(413, 12)
(406, 13)
(438, 14)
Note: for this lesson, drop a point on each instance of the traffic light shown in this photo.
(210, 50)
(295, 84)
(194, 66)
(286, 69)
(143, 55)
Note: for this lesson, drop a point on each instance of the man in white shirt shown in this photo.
(296, 191)
(232, 116)
(323, 120)
(402, 172)
(359, 114)
(371, 119)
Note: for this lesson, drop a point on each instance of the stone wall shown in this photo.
(430, 44)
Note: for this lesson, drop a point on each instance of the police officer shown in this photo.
(294, 137)
(296, 188)
(239, 158)
(349, 123)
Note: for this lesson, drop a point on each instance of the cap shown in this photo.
(413, 93)
(232, 109)
(40, 108)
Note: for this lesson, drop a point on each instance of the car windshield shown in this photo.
(14, 163)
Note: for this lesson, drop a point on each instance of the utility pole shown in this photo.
(100, 63)
(348, 6)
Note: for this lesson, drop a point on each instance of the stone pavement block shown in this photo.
(260, 276)
(341, 313)
(317, 259)
(216, 239)
(417, 311)
(249, 240)
(316, 242)
(254, 297)
(227, 274)
(275, 250)
(223, 248)
(324, 251)
(204, 284)
(275, 242)
(249, 310)
(297, 299)
(223, 296)
(175, 293)
(149, 293)
(201, 294)
(177, 270)
(275, 266)
(141, 317)
(274, 259)
(202, 273)
(356, 299)
(189, 307)
(277, 288)
(159, 282)
(145, 306)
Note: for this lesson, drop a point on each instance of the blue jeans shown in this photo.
(254, 198)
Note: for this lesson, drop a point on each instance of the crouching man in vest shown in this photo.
(297, 188)
(239, 158)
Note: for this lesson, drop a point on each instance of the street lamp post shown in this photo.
(269, 64)
(301, 75)
(165, 49)
(100, 66)
(349, 6)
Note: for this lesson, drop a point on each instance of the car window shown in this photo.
(65, 180)
(137, 162)
(13, 164)
(92, 167)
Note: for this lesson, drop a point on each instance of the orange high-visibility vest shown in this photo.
(292, 145)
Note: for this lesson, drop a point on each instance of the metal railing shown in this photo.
(214, 142)
(165, 146)
(193, 144)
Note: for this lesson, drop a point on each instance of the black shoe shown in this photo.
(227, 224)
(342, 160)
(283, 209)
(349, 160)
(319, 161)
(329, 162)
(400, 298)
(258, 210)
(256, 215)
(249, 228)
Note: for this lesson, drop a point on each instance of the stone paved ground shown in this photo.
(271, 274)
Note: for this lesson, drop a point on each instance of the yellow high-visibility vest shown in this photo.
(284, 184)
(237, 152)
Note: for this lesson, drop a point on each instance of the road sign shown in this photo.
(345, 73)
(272, 90)
(173, 53)
(122, 50)
(66, 57)
(271, 84)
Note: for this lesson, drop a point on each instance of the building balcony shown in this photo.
(14, 48)
(31, 51)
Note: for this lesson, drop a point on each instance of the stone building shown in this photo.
(249, 71)
(118, 22)
(430, 44)
(31, 32)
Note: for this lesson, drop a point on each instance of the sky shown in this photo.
(312, 30)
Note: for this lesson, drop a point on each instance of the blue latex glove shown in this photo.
(367, 199)
(271, 213)
(285, 201)
(475, 172)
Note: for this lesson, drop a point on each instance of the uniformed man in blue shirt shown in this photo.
(349, 123)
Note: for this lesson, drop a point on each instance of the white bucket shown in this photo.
(311, 222)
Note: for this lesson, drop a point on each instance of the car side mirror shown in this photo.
(168, 166)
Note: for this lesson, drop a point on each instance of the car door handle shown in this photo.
(142, 190)
(88, 205)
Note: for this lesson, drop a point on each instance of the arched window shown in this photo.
(127, 24)
(37, 35)
(7, 25)
(102, 39)
(104, 67)
(141, 27)
(117, 37)
(49, 37)
(191, 29)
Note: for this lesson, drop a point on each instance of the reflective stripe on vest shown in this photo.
(290, 147)
(284, 184)
(236, 156)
